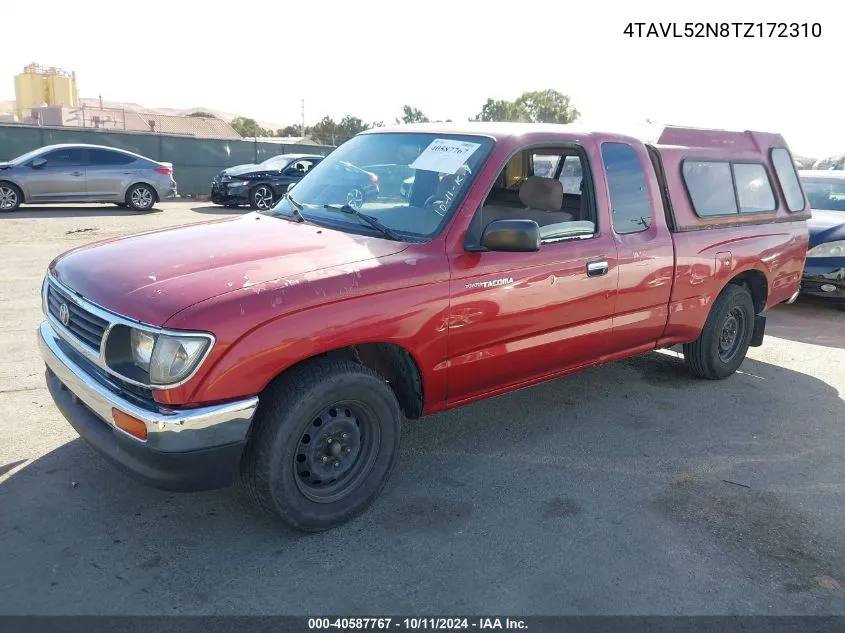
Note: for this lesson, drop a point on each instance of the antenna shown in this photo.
(302, 113)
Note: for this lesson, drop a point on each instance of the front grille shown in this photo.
(86, 327)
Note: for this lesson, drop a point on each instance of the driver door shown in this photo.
(61, 178)
(518, 317)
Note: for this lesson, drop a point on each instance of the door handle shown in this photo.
(76, 173)
(597, 269)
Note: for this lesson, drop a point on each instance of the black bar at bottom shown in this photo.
(537, 624)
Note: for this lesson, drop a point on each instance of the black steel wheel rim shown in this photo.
(732, 334)
(336, 451)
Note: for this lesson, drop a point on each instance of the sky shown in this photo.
(370, 57)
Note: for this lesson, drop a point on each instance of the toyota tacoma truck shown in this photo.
(283, 348)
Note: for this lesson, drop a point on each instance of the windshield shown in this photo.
(277, 162)
(25, 157)
(410, 182)
(825, 194)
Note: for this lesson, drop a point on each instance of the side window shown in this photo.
(570, 175)
(521, 193)
(545, 166)
(753, 188)
(105, 157)
(66, 157)
(788, 179)
(629, 201)
(710, 187)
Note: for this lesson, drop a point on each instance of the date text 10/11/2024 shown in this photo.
(723, 29)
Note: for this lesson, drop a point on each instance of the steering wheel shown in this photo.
(435, 203)
(439, 202)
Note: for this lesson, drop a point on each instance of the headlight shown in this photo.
(167, 358)
(830, 249)
(236, 183)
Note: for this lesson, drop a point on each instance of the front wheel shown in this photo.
(720, 349)
(323, 444)
(140, 198)
(261, 198)
(10, 197)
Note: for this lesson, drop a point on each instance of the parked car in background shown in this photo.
(824, 272)
(85, 173)
(260, 186)
(342, 183)
(290, 361)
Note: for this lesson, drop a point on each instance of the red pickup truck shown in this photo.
(283, 348)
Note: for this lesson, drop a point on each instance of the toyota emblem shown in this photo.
(64, 314)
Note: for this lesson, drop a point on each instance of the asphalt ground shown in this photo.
(631, 488)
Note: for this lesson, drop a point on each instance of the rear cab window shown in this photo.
(630, 205)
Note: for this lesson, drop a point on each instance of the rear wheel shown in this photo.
(140, 197)
(262, 198)
(720, 349)
(324, 442)
(10, 197)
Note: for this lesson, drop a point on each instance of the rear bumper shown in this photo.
(824, 279)
(185, 450)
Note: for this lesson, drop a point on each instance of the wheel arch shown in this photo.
(757, 284)
(392, 362)
(141, 182)
(16, 186)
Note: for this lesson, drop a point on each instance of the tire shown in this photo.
(140, 197)
(288, 466)
(262, 198)
(720, 349)
(10, 197)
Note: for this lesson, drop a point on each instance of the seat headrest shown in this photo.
(542, 193)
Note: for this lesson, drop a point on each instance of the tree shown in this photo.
(539, 106)
(350, 126)
(290, 130)
(202, 114)
(500, 110)
(247, 127)
(412, 115)
(326, 131)
(548, 106)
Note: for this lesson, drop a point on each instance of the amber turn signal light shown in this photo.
(131, 425)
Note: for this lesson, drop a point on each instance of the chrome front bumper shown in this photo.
(168, 430)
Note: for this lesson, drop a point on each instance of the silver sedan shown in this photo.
(85, 173)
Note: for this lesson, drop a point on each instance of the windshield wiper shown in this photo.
(345, 208)
(296, 208)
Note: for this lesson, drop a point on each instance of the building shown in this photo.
(119, 119)
(39, 86)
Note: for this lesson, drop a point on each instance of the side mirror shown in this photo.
(38, 163)
(513, 236)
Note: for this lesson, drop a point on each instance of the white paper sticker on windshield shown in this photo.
(444, 155)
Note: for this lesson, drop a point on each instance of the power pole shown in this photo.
(302, 114)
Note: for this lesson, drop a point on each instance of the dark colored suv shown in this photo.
(260, 186)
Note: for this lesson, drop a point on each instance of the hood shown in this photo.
(240, 170)
(4, 165)
(826, 226)
(152, 276)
